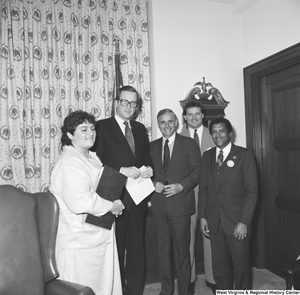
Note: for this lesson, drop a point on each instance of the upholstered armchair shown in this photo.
(291, 274)
(28, 225)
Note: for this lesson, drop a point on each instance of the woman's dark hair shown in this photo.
(218, 121)
(72, 121)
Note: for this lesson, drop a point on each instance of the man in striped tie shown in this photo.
(227, 199)
(122, 143)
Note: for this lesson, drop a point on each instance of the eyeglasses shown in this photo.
(124, 102)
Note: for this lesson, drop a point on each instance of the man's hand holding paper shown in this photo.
(146, 171)
(142, 187)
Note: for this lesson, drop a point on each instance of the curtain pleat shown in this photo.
(57, 57)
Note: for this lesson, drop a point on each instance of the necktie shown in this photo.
(129, 137)
(166, 156)
(220, 158)
(196, 137)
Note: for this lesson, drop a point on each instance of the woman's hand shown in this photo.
(240, 231)
(117, 208)
(204, 227)
(132, 172)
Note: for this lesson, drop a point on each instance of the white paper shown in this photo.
(140, 188)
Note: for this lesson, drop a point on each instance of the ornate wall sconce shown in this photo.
(211, 99)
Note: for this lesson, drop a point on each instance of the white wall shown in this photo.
(191, 39)
(270, 26)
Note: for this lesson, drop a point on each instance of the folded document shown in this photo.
(140, 188)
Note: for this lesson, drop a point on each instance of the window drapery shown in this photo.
(57, 57)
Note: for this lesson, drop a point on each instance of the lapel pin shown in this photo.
(230, 163)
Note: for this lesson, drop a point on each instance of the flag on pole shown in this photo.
(118, 83)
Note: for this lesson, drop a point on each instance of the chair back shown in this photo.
(47, 218)
(291, 274)
(28, 225)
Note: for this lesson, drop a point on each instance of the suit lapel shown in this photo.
(186, 133)
(136, 139)
(228, 165)
(203, 139)
(158, 152)
(176, 151)
(214, 165)
(206, 141)
(117, 132)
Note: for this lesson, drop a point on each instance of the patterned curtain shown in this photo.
(56, 57)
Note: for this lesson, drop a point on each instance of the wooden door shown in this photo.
(272, 96)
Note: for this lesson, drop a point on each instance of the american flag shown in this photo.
(118, 83)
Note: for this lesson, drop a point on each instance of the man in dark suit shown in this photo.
(227, 199)
(193, 113)
(173, 201)
(123, 144)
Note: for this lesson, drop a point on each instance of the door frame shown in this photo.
(256, 131)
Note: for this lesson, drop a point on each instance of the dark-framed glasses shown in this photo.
(124, 102)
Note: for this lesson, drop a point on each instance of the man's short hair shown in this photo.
(127, 88)
(165, 111)
(221, 120)
(193, 103)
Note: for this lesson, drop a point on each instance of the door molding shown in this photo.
(255, 131)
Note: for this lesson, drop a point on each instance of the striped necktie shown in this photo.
(220, 159)
(129, 137)
(196, 137)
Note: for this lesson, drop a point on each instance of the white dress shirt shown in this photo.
(226, 151)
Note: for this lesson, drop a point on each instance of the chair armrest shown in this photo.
(60, 287)
(291, 274)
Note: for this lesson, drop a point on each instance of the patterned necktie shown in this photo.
(129, 137)
(220, 158)
(196, 137)
(166, 156)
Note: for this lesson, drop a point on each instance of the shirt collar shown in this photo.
(121, 122)
(171, 139)
(226, 150)
(192, 130)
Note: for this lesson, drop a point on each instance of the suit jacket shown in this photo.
(206, 143)
(206, 140)
(233, 197)
(113, 150)
(184, 168)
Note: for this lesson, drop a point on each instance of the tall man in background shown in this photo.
(123, 144)
(176, 172)
(193, 113)
(227, 199)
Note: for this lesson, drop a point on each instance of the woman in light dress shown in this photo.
(86, 254)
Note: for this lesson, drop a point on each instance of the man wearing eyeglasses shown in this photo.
(123, 144)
